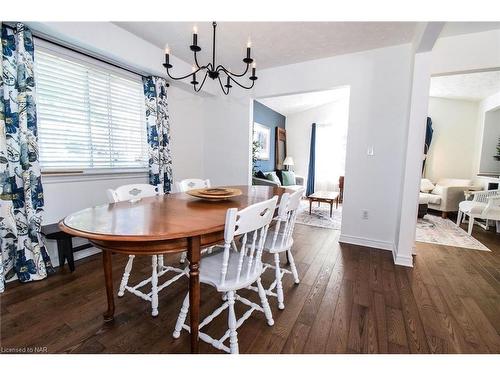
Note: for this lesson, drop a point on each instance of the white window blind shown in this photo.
(89, 115)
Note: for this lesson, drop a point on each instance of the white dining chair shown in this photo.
(229, 270)
(280, 240)
(484, 205)
(191, 183)
(188, 184)
(134, 193)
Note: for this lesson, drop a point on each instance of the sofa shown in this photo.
(299, 181)
(445, 194)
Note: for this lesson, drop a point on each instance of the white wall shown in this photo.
(298, 130)
(227, 140)
(187, 131)
(488, 104)
(467, 52)
(491, 139)
(452, 151)
(379, 81)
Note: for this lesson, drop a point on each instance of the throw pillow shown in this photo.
(260, 174)
(438, 190)
(288, 178)
(426, 185)
(271, 176)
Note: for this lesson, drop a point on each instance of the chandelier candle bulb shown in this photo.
(195, 36)
(167, 55)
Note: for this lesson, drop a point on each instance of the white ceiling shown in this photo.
(290, 104)
(458, 28)
(470, 86)
(273, 43)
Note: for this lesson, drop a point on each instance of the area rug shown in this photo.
(320, 216)
(436, 230)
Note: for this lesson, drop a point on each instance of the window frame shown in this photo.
(80, 58)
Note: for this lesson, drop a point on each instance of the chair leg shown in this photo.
(182, 317)
(265, 303)
(233, 335)
(471, 224)
(183, 257)
(498, 226)
(154, 286)
(126, 275)
(161, 263)
(279, 286)
(459, 217)
(292, 267)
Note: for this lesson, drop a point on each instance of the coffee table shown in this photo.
(326, 197)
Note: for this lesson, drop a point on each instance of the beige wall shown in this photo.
(453, 148)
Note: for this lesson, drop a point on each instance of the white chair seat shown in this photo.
(471, 207)
(210, 271)
(280, 245)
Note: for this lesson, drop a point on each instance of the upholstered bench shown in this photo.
(65, 247)
(423, 205)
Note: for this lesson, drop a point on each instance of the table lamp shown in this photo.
(288, 162)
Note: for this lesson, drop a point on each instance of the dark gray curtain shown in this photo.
(312, 162)
(428, 139)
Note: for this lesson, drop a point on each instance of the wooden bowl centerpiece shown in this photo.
(216, 194)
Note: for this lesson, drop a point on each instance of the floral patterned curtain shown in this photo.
(22, 251)
(158, 128)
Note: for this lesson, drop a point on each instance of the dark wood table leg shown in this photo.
(331, 207)
(310, 205)
(337, 203)
(68, 252)
(108, 277)
(193, 253)
(61, 253)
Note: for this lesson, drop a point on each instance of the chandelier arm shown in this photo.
(187, 75)
(222, 87)
(196, 60)
(228, 72)
(201, 84)
(239, 84)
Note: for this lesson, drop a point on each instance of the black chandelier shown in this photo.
(210, 69)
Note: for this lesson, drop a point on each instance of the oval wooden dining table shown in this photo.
(161, 225)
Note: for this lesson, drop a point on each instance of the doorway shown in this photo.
(294, 116)
(459, 160)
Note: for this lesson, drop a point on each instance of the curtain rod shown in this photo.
(64, 45)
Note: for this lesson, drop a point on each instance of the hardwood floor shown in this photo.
(350, 300)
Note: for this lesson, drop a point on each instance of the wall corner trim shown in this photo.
(363, 241)
(400, 260)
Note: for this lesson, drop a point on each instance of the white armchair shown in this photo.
(484, 205)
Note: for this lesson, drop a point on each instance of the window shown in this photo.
(90, 115)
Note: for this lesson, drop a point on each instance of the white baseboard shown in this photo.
(78, 255)
(362, 241)
(86, 253)
(406, 261)
(377, 244)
